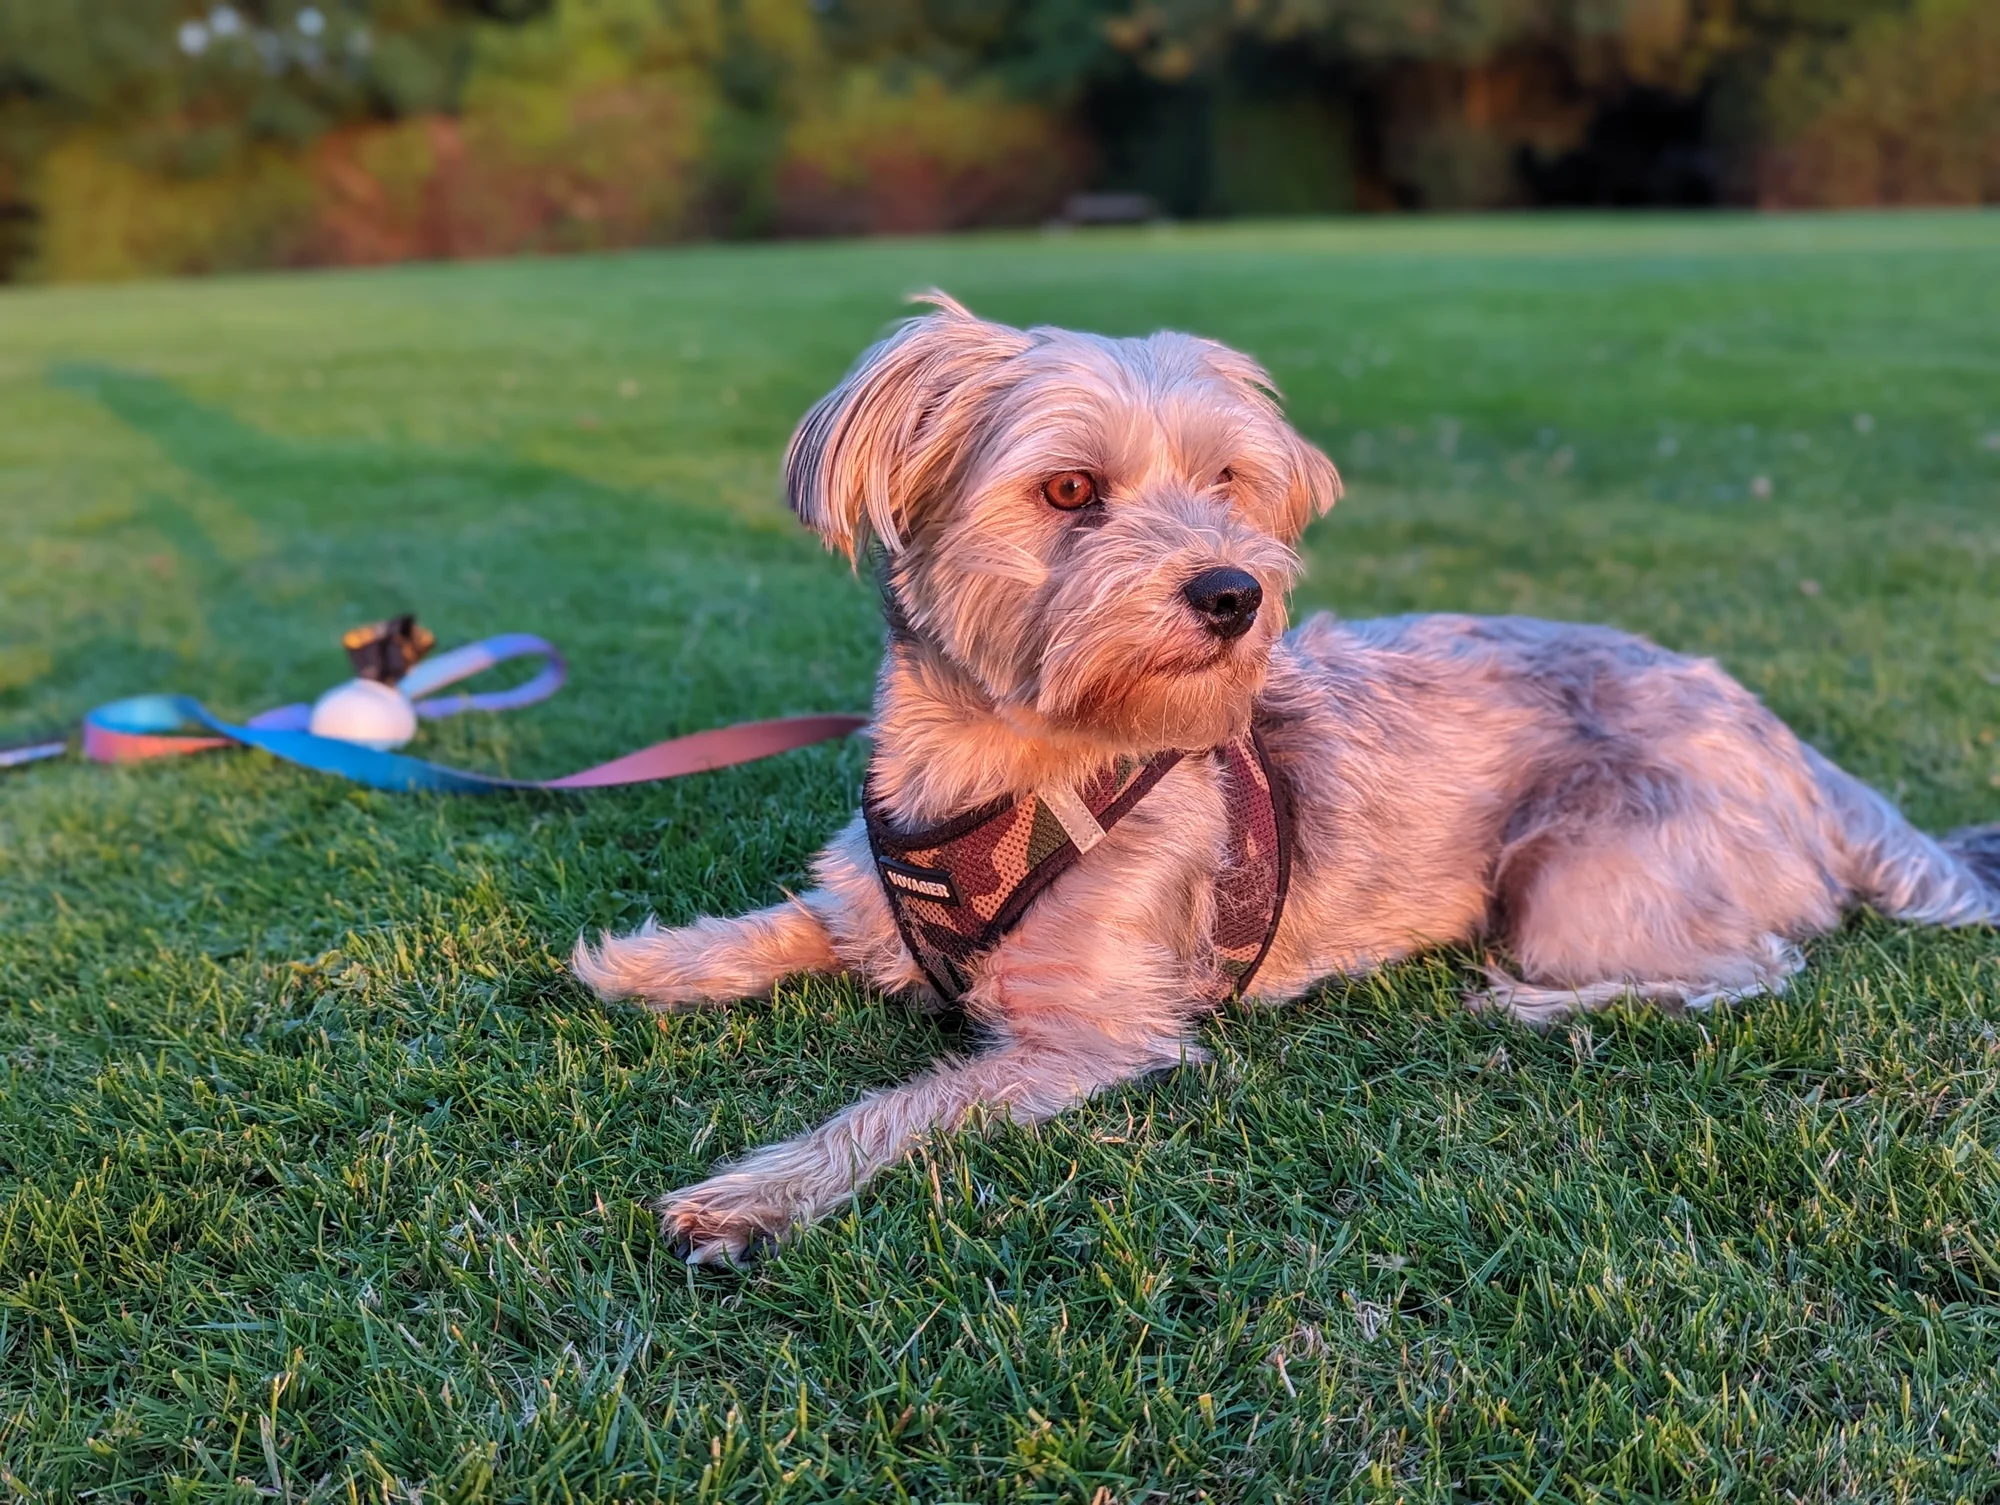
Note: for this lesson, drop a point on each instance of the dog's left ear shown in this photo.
(1315, 484)
(1312, 485)
(897, 427)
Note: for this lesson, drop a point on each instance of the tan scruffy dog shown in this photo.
(1086, 545)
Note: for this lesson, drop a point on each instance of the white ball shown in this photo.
(365, 712)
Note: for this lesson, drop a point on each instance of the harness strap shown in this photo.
(1256, 873)
(958, 887)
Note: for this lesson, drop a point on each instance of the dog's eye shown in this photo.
(1224, 476)
(1070, 490)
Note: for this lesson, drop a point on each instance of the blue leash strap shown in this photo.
(111, 731)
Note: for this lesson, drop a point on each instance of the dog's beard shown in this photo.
(1147, 679)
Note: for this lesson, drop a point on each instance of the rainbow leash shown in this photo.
(158, 726)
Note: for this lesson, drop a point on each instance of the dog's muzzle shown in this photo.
(1226, 599)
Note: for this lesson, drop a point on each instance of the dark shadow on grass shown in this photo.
(353, 487)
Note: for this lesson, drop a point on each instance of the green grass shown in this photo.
(318, 1179)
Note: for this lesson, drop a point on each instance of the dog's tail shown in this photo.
(1903, 873)
(1978, 847)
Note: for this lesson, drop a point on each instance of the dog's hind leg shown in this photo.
(711, 960)
(1765, 970)
(1637, 879)
(760, 1198)
(1688, 891)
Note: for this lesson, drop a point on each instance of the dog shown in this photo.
(1085, 546)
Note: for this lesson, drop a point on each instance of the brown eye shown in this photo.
(1070, 490)
(1224, 476)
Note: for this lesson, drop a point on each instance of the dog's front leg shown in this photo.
(711, 960)
(773, 1190)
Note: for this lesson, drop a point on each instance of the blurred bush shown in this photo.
(104, 213)
(869, 156)
(579, 131)
(241, 138)
(141, 136)
(1905, 111)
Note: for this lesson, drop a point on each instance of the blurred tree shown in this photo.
(1904, 110)
(186, 134)
(282, 69)
(1044, 49)
(1224, 106)
(187, 90)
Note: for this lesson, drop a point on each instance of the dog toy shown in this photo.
(365, 712)
(369, 709)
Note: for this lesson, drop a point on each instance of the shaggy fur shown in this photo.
(1610, 817)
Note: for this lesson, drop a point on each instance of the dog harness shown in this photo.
(958, 887)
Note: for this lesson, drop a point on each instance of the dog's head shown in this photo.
(1099, 531)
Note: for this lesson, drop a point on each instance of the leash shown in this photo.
(128, 730)
(386, 655)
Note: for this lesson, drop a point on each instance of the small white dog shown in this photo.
(1109, 791)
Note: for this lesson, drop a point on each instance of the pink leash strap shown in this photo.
(720, 747)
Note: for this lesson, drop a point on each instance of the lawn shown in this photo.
(319, 1179)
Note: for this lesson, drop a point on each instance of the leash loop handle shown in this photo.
(433, 674)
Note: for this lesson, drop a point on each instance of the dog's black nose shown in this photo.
(1225, 599)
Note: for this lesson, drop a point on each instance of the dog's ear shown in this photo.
(1315, 484)
(1312, 485)
(896, 427)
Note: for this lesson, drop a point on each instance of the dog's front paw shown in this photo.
(725, 1220)
(645, 964)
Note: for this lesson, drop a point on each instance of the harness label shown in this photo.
(925, 882)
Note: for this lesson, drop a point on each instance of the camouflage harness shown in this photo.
(960, 886)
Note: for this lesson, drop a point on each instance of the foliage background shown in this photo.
(146, 136)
